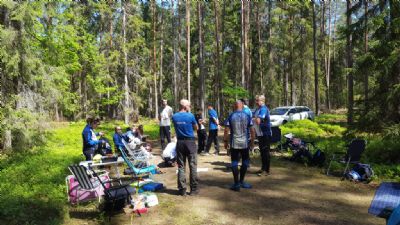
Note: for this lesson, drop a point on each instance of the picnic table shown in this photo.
(115, 163)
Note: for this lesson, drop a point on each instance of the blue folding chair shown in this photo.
(386, 203)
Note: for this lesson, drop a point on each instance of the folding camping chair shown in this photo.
(138, 156)
(113, 194)
(137, 172)
(83, 187)
(352, 156)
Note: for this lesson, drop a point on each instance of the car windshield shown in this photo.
(279, 111)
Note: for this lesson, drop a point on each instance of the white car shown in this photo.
(284, 114)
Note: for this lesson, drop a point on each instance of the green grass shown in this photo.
(32, 184)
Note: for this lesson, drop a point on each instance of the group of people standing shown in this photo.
(241, 127)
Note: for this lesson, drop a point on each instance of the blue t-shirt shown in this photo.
(212, 114)
(264, 129)
(239, 123)
(247, 110)
(183, 123)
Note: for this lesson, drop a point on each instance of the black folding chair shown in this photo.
(352, 156)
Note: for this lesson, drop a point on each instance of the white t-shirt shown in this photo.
(166, 116)
(170, 151)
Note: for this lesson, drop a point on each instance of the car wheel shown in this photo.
(284, 122)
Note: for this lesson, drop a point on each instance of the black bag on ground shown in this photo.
(318, 158)
(117, 198)
(364, 170)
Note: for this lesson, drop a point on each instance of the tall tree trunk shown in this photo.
(286, 82)
(217, 56)
(243, 16)
(201, 55)
(291, 62)
(153, 8)
(126, 85)
(161, 52)
(260, 61)
(315, 60)
(349, 59)
(333, 39)
(175, 84)
(328, 63)
(302, 47)
(188, 46)
(394, 103)
(366, 108)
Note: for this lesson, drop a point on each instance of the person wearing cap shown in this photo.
(212, 131)
(262, 125)
(89, 137)
(185, 124)
(165, 123)
(239, 123)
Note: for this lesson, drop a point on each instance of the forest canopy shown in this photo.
(64, 60)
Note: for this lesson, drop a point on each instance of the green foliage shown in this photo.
(32, 183)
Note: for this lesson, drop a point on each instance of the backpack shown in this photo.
(318, 158)
(364, 170)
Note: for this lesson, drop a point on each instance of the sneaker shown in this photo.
(235, 187)
(205, 154)
(263, 173)
(245, 185)
(259, 171)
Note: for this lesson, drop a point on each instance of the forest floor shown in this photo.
(292, 194)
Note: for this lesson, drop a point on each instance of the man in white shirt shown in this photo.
(165, 123)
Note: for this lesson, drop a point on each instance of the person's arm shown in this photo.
(252, 131)
(252, 137)
(226, 137)
(194, 123)
(261, 115)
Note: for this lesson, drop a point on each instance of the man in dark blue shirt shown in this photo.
(184, 123)
(212, 131)
(90, 141)
(240, 124)
(262, 126)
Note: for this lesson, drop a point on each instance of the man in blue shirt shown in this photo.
(212, 131)
(90, 141)
(240, 124)
(263, 130)
(184, 123)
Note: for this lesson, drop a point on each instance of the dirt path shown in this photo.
(292, 194)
